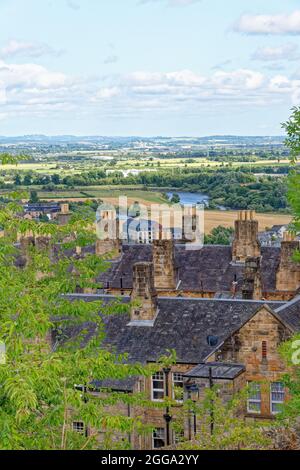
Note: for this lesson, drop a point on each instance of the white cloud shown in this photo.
(238, 80)
(106, 93)
(188, 92)
(269, 24)
(2, 93)
(23, 76)
(26, 49)
(33, 90)
(288, 52)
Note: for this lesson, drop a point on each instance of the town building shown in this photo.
(231, 343)
(244, 270)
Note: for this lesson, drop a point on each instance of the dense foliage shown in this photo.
(291, 349)
(39, 370)
(219, 236)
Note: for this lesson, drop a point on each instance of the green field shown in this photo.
(76, 167)
(99, 192)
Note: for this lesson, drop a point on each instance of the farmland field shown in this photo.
(212, 218)
(226, 219)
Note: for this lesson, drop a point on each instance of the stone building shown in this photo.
(244, 270)
(232, 342)
(224, 310)
(53, 210)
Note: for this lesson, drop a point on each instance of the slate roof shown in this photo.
(219, 370)
(207, 269)
(290, 313)
(122, 385)
(182, 324)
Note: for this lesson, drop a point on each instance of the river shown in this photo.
(187, 197)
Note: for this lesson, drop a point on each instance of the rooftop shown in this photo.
(219, 371)
(183, 324)
(209, 268)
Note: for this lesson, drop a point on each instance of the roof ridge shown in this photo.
(182, 299)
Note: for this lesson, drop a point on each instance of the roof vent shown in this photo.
(212, 340)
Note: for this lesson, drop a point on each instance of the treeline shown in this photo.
(235, 189)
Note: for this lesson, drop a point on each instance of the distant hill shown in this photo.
(206, 140)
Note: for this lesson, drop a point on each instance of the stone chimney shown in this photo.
(64, 215)
(143, 297)
(245, 243)
(164, 264)
(189, 224)
(64, 208)
(288, 272)
(108, 233)
(252, 285)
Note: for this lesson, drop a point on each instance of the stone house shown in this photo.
(244, 270)
(231, 342)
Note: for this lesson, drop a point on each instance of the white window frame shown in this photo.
(162, 437)
(276, 402)
(158, 377)
(174, 381)
(254, 400)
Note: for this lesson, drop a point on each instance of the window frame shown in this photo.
(157, 430)
(254, 400)
(176, 386)
(161, 378)
(75, 424)
(276, 402)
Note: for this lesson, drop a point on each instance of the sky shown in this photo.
(148, 67)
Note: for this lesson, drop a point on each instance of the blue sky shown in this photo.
(148, 67)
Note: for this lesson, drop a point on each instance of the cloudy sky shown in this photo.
(148, 67)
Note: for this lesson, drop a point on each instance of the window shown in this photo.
(78, 426)
(178, 436)
(254, 398)
(158, 438)
(158, 386)
(177, 386)
(264, 350)
(277, 397)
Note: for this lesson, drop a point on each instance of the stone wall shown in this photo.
(288, 274)
(164, 264)
(246, 347)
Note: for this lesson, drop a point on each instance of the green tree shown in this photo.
(38, 397)
(18, 180)
(34, 197)
(219, 236)
(175, 198)
(291, 349)
(221, 426)
(292, 128)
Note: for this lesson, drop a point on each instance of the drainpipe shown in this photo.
(167, 416)
(212, 418)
